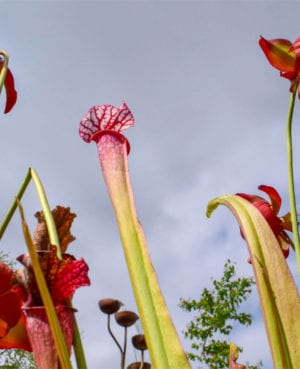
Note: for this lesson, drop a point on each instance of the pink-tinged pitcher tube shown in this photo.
(40, 336)
(104, 124)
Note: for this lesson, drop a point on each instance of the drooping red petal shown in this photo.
(16, 337)
(10, 302)
(251, 198)
(11, 93)
(6, 274)
(264, 207)
(267, 211)
(4, 328)
(105, 118)
(295, 48)
(10, 308)
(279, 53)
(70, 277)
(274, 197)
(270, 213)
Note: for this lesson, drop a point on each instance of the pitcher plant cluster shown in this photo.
(36, 311)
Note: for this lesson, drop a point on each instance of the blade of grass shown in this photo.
(53, 236)
(13, 206)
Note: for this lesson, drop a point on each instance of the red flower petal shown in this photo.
(279, 53)
(270, 213)
(6, 274)
(274, 197)
(10, 302)
(10, 308)
(11, 93)
(16, 337)
(70, 277)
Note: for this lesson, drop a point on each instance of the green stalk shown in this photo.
(32, 174)
(4, 68)
(13, 206)
(78, 347)
(53, 236)
(292, 196)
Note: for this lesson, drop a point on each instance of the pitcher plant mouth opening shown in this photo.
(97, 136)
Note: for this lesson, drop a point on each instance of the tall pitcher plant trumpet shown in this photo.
(104, 125)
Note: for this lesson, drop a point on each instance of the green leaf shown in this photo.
(278, 293)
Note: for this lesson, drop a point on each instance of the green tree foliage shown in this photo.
(16, 359)
(217, 310)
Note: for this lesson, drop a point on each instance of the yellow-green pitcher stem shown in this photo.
(292, 196)
(162, 340)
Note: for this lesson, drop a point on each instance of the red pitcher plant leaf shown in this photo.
(104, 124)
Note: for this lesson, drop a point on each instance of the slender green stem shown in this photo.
(32, 174)
(13, 206)
(78, 348)
(291, 185)
(4, 68)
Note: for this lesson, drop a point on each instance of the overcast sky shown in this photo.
(209, 119)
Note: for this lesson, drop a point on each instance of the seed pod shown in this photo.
(139, 342)
(126, 318)
(109, 306)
